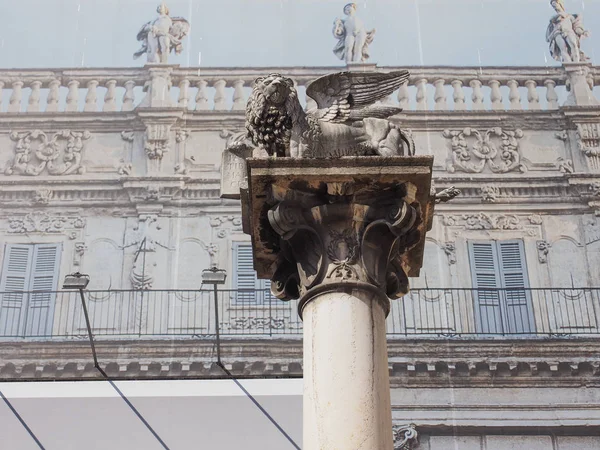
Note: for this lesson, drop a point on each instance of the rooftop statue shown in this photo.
(345, 123)
(354, 39)
(564, 35)
(162, 35)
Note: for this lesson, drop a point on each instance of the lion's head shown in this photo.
(272, 112)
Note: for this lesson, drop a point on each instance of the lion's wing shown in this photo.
(340, 93)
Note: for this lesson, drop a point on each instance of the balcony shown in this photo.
(189, 314)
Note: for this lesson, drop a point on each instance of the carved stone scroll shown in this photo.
(496, 149)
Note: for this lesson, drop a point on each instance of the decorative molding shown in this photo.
(495, 148)
(34, 161)
(405, 437)
(543, 247)
(43, 223)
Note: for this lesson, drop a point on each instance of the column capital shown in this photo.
(344, 224)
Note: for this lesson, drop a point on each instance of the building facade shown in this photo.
(116, 173)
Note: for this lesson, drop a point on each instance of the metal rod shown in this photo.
(105, 375)
(217, 326)
(20, 419)
(89, 327)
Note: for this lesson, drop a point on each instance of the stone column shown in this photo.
(343, 236)
(346, 381)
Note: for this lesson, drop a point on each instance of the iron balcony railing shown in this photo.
(423, 313)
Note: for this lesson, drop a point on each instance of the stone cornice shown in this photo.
(414, 363)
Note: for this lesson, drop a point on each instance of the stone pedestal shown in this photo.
(342, 235)
(580, 90)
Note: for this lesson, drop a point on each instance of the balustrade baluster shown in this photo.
(532, 95)
(477, 95)
(15, 98)
(72, 96)
(201, 97)
(91, 98)
(53, 94)
(459, 96)
(496, 95)
(1, 91)
(551, 95)
(184, 95)
(34, 97)
(421, 94)
(110, 97)
(220, 100)
(403, 96)
(440, 95)
(239, 103)
(514, 95)
(128, 96)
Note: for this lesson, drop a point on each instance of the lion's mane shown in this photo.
(271, 126)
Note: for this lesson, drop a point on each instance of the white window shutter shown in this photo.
(44, 277)
(244, 276)
(15, 277)
(485, 275)
(513, 270)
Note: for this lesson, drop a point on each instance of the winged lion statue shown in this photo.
(346, 122)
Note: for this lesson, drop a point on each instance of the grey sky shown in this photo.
(101, 33)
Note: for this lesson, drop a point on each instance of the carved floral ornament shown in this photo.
(496, 148)
(36, 152)
(494, 222)
(41, 222)
(405, 437)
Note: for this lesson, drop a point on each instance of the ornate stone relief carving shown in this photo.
(489, 194)
(126, 168)
(157, 140)
(405, 437)
(42, 222)
(42, 196)
(226, 224)
(450, 250)
(80, 249)
(145, 238)
(565, 165)
(489, 222)
(36, 152)
(180, 138)
(591, 227)
(543, 247)
(588, 141)
(496, 148)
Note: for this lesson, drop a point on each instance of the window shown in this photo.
(252, 290)
(498, 270)
(28, 268)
